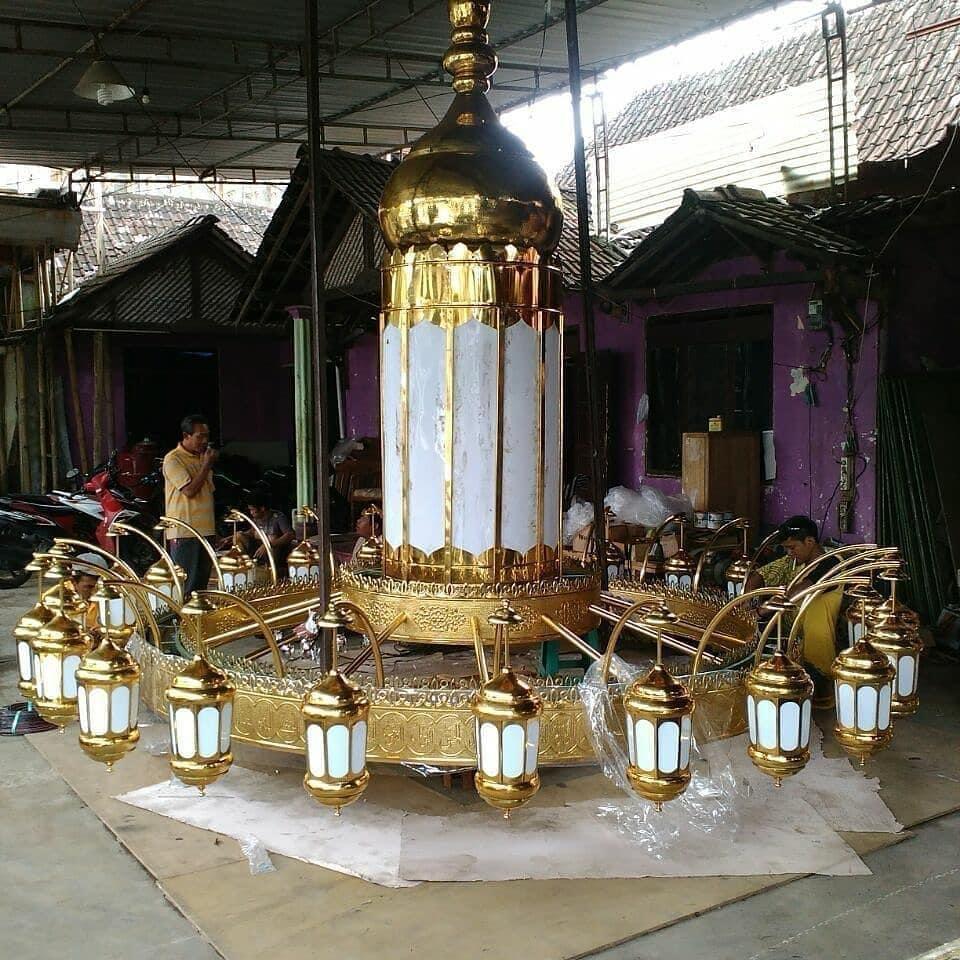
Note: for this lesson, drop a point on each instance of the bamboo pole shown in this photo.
(21, 418)
(78, 423)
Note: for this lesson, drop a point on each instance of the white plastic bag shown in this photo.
(648, 507)
(575, 519)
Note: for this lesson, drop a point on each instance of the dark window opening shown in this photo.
(701, 366)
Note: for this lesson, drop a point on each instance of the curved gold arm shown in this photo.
(173, 522)
(615, 636)
(859, 550)
(255, 615)
(479, 651)
(263, 538)
(164, 555)
(702, 559)
(751, 566)
(375, 640)
(94, 548)
(655, 538)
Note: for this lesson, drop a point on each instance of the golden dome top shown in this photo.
(469, 179)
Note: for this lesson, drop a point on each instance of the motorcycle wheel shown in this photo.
(11, 578)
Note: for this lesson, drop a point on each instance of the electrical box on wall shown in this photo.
(815, 315)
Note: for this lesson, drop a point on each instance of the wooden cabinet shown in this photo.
(724, 472)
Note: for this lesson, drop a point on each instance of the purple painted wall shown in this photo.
(807, 439)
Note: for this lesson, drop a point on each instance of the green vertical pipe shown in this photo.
(303, 412)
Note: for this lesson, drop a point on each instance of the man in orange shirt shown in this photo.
(188, 493)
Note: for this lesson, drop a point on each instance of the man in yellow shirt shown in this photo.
(188, 493)
(799, 539)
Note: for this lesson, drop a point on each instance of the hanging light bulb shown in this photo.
(507, 714)
(57, 650)
(659, 713)
(108, 700)
(335, 715)
(679, 569)
(25, 632)
(779, 706)
(200, 710)
(101, 81)
(863, 678)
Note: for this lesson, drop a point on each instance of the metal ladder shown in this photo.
(601, 165)
(833, 25)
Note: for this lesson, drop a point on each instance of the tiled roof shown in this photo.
(705, 228)
(874, 219)
(130, 219)
(906, 89)
(604, 257)
(151, 284)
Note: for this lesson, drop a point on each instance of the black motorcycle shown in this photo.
(21, 535)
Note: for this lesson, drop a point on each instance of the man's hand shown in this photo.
(209, 457)
(260, 553)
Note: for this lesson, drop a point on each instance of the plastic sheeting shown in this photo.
(648, 506)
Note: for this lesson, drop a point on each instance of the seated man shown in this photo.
(798, 536)
(271, 522)
(82, 583)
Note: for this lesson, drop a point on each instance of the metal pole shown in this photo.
(303, 408)
(314, 140)
(597, 455)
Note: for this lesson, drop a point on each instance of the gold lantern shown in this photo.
(659, 711)
(115, 612)
(678, 571)
(200, 711)
(370, 553)
(865, 602)
(304, 561)
(59, 646)
(863, 679)
(237, 568)
(25, 632)
(735, 576)
(507, 714)
(335, 716)
(108, 701)
(895, 634)
(779, 707)
(160, 578)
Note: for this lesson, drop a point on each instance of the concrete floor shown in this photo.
(70, 890)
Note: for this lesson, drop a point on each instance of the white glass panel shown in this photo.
(668, 746)
(645, 733)
(686, 581)
(314, 571)
(514, 750)
(613, 571)
(228, 581)
(24, 660)
(906, 676)
(475, 350)
(686, 727)
(50, 664)
(805, 723)
(38, 675)
(631, 743)
(82, 709)
(426, 434)
(208, 731)
(867, 708)
(845, 705)
(552, 349)
(358, 747)
(521, 440)
(533, 746)
(173, 731)
(392, 419)
(134, 704)
(752, 718)
(129, 613)
(789, 725)
(851, 633)
(226, 726)
(671, 580)
(886, 694)
(338, 751)
(98, 704)
(315, 750)
(767, 724)
(154, 602)
(857, 631)
(731, 588)
(489, 750)
(102, 613)
(70, 677)
(120, 709)
(114, 612)
(186, 733)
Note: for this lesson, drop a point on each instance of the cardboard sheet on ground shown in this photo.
(391, 842)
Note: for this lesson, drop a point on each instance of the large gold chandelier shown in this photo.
(471, 347)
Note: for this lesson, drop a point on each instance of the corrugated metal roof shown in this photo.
(699, 233)
(225, 83)
(906, 88)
